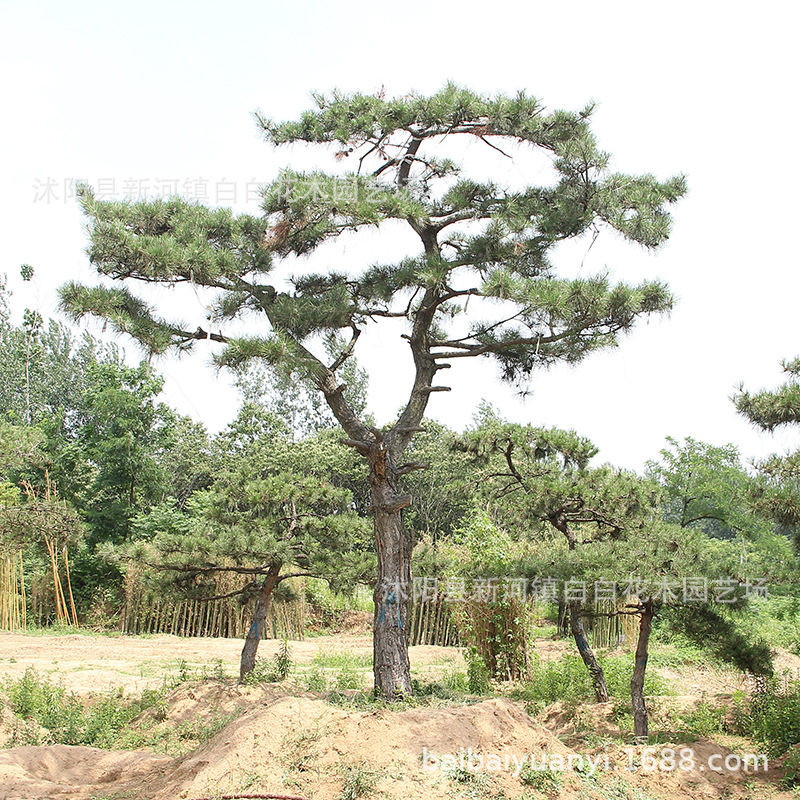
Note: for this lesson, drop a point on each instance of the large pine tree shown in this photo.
(481, 282)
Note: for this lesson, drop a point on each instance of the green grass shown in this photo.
(359, 780)
(47, 714)
(67, 719)
(567, 680)
(334, 659)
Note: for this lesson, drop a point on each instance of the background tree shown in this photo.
(707, 487)
(540, 476)
(477, 241)
(778, 496)
(265, 520)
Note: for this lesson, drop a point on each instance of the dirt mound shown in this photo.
(31, 773)
(302, 745)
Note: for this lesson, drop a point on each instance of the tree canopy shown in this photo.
(481, 283)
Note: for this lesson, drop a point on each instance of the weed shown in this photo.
(477, 673)
(334, 659)
(65, 717)
(183, 670)
(704, 719)
(348, 678)
(359, 780)
(216, 672)
(771, 717)
(315, 681)
(791, 769)
(544, 780)
(567, 680)
(282, 660)
(300, 748)
(274, 670)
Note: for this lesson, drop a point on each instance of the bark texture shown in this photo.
(639, 670)
(391, 667)
(258, 626)
(587, 654)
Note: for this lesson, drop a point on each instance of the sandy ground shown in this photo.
(88, 663)
(287, 741)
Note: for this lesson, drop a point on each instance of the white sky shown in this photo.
(162, 91)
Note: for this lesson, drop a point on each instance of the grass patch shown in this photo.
(567, 680)
(359, 780)
(40, 703)
(335, 659)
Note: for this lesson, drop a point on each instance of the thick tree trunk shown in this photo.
(639, 669)
(587, 654)
(391, 666)
(257, 628)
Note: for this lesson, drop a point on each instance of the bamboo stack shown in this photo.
(148, 610)
(431, 622)
(13, 611)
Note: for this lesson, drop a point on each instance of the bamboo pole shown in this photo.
(69, 587)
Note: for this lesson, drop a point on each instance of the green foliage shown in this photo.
(778, 494)
(544, 780)
(541, 477)
(339, 659)
(719, 636)
(359, 780)
(275, 670)
(775, 619)
(567, 681)
(706, 487)
(771, 718)
(791, 770)
(705, 719)
(478, 678)
(506, 242)
(771, 409)
(66, 718)
(315, 681)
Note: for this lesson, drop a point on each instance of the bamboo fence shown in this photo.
(148, 610)
(13, 605)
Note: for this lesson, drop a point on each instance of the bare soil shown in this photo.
(291, 742)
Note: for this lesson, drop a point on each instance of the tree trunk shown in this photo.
(257, 628)
(639, 669)
(393, 542)
(587, 654)
(559, 521)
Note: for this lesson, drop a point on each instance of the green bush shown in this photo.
(274, 670)
(704, 719)
(477, 673)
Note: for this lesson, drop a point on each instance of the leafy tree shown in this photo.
(707, 487)
(184, 456)
(444, 491)
(704, 487)
(44, 372)
(481, 283)
(123, 429)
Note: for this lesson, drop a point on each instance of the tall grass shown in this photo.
(567, 680)
(65, 718)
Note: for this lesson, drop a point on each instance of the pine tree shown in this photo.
(542, 476)
(778, 497)
(482, 282)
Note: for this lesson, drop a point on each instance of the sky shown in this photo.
(157, 97)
